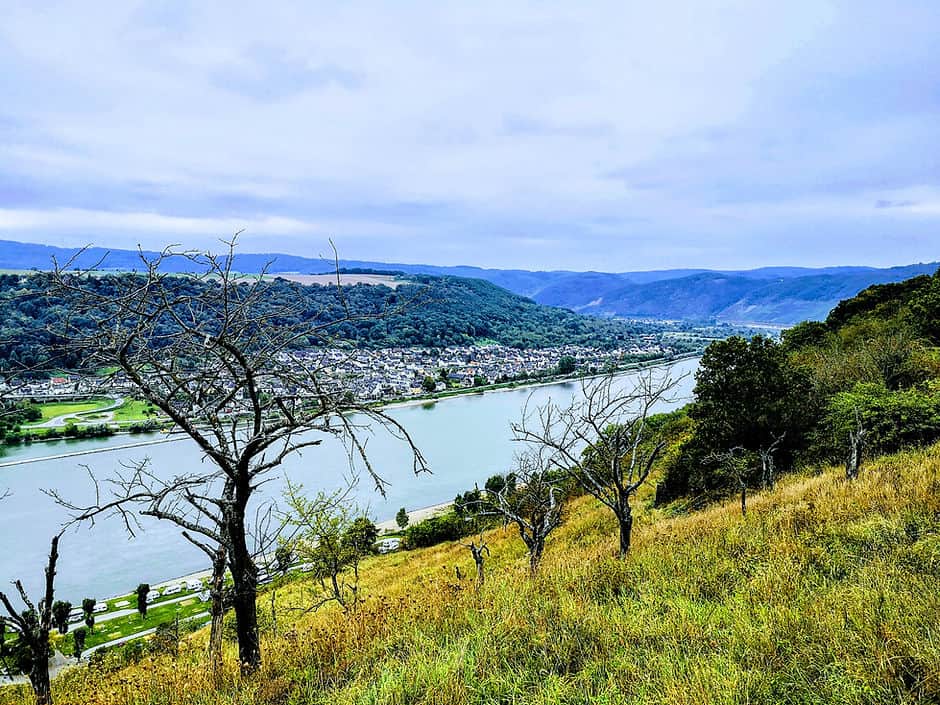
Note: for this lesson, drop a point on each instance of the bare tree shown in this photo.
(767, 463)
(604, 440)
(857, 438)
(477, 549)
(535, 505)
(138, 490)
(214, 351)
(33, 626)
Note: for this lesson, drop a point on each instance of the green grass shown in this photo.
(51, 410)
(132, 410)
(826, 592)
(133, 623)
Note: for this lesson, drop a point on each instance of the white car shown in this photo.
(393, 543)
(153, 595)
(100, 607)
(204, 596)
(194, 585)
(173, 590)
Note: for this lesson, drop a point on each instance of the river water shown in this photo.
(465, 439)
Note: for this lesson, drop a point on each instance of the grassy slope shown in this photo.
(826, 592)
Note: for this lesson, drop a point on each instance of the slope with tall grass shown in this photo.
(828, 591)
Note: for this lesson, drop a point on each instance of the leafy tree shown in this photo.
(566, 365)
(60, 615)
(401, 518)
(88, 610)
(468, 503)
(437, 529)
(429, 384)
(748, 394)
(78, 642)
(142, 591)
(360, 536)
(496, 483)
(332, 542)
(283, 557)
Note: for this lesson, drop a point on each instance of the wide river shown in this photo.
(465, 439)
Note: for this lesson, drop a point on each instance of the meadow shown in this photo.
(826, 591)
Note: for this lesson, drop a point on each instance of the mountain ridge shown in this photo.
(780, 295)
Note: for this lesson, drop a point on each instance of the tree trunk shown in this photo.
(478, 559)
(245, 579)
(626, 532)
(743, 500)
(39, 676)
(535, 555)
(217, 609)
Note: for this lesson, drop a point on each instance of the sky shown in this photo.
(608, 136)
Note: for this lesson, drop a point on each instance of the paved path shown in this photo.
(108, 616)
(138, 635)
(62, 420)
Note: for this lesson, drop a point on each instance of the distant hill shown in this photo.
(427, 311)
(773, 295)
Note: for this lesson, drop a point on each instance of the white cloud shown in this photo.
(685, 121)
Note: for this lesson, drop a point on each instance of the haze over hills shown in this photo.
(771, 295)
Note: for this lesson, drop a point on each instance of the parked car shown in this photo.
(393, 543)
(204, 596)
(152, 596)
(173, 590)
(100, 607)
(194, 585)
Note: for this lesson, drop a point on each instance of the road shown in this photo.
(60, 421)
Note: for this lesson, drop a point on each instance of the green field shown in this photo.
(132, 410)
(132, 623)
(51, 410)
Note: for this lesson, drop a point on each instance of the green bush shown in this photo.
(435, 530)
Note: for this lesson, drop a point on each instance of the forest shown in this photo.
(422, 311)
(873, 366)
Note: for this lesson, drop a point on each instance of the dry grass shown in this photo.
(828, 592)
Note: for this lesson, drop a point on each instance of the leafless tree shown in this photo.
(138, 490)
(534, 506)
(477, 549)
(214, 352)
(768, 466)
(33, 626)
(603, 440)
(857, 438)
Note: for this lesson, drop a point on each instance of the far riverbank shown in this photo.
(176, 435)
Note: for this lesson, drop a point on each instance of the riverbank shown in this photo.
(463, 443)
(516, 386)
(399, 404)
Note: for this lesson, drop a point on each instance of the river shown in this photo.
(465, 439)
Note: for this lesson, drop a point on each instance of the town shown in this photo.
(393, 373)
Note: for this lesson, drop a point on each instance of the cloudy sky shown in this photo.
(629, 135)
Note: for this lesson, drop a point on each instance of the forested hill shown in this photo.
(777, 295)
(445, 311)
